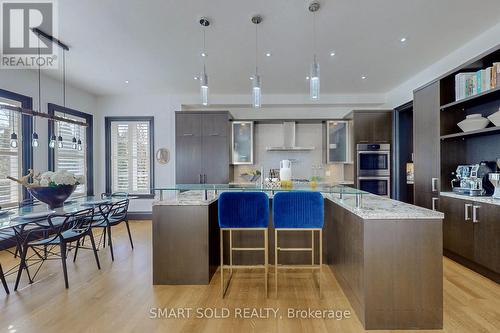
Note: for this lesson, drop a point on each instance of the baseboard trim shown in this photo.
(140, 215)
(473, 266)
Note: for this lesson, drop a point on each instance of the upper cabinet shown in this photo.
(372, 126)
(338, 142)
(242, 142)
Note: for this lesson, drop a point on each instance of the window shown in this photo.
(129, 145)
(78, 162)
(10, 158)
(70, 159)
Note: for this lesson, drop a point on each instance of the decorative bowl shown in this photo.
(473, 123)
(53, 196)
(495, 118)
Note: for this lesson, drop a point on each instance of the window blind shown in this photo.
(10, 158)
(130, 160)
(67, 158)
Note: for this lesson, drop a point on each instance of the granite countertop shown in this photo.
(375, 207)
(486, 200)
(188, 198)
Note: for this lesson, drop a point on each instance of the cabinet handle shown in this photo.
(187, 134)
(199, 181)
(214, 134)
(204, 179)
(474, 214)
(434, 200)
(467, 206)
(434, 186)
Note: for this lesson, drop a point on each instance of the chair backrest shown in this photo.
(114, 195)
(243, 210)
(298, 209)
(116, 211)
(79, 221)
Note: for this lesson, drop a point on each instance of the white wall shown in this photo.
(482, 43)
(25, 82)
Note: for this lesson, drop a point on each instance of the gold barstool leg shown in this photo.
(320, 259)
(266, 260)
(276, 261)
(221, 263)
(230, 252)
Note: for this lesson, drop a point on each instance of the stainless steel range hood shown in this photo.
(288, 132)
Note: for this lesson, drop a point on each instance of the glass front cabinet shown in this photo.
(242, 142)
(338, 142)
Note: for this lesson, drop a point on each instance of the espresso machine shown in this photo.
(473, 180)
(495, 180)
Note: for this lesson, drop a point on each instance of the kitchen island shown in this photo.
(386, 255)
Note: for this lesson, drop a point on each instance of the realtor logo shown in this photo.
(20, 45)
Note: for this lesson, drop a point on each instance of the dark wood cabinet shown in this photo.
(187, 124)
(426, 148)
(458, 229)
(487, 235)
(372, 126)
(202, 147)
(471, 230)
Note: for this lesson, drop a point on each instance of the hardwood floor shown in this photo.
(118, 298)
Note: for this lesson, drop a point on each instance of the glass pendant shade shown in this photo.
(13, 140)
(60, 142)
(34, 139)
(52, 142)
(314, 80)
(256, 91)
(79, 145)
(204, 88)
(73, 143)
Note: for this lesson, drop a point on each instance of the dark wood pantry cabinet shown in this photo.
(426, 145)
(202, 147)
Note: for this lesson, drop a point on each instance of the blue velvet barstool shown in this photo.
(298, 211)
(242, 211)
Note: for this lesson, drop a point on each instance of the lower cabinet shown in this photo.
(472, 230)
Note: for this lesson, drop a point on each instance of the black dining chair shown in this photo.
(112, 215)
(2, 277)
(73, 228)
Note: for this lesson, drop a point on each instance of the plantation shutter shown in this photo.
(130, 160)
(10, 158)
(67, 158)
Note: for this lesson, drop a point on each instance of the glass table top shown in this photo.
(13, 217)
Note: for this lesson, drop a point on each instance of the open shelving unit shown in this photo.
(458, 147)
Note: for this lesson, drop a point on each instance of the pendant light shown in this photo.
(79, 142)
(314, 80)
(256, 83)
(34, 135)
(13, 136)
(204, 22)
(73, 141)
(60, 143)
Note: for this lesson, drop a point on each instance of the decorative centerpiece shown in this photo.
(52, 188)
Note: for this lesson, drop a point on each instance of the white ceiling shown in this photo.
(156, 44)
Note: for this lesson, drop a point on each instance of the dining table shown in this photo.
(16, 222)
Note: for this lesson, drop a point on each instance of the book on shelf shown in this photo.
(469, 84)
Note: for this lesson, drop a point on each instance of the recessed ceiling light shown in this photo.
(363, 77)
(126, 81)
(203, 54)
(403, 39)
(251, 77)
(332, 54)
(307, 77)
(196, 78)
(268, 54)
